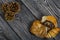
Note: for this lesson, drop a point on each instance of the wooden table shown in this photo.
(31, 10)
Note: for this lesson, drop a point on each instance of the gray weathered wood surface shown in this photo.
(30, 11)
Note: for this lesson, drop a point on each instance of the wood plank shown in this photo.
(7, 31)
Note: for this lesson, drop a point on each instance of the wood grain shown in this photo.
(31, 10)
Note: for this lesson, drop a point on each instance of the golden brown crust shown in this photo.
(38, 29)
(43, 31)
(52, 19)
(53, 33)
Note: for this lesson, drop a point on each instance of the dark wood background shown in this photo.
(30, 10)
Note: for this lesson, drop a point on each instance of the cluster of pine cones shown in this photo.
(10, 9)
